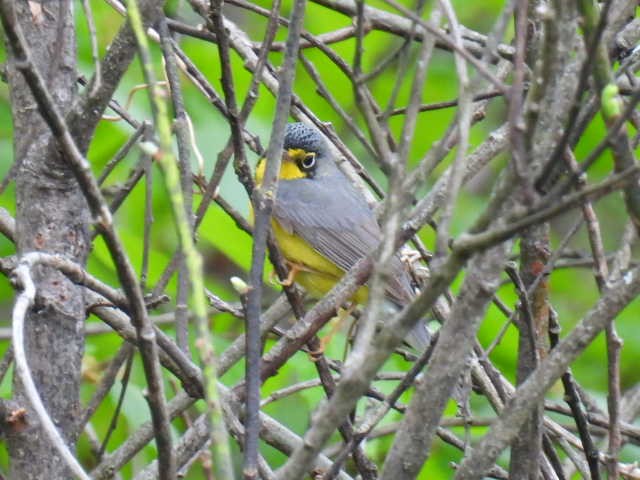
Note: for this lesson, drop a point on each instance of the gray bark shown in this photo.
(51, 216)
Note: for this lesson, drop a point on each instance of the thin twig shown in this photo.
(263, 198)
(164, 156)
(180, 127)
(88, 13)
(107, 381)
(116, 413)
(464, 124)
(449, 104)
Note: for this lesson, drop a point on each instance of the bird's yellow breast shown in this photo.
(319, 274)
(298, 250)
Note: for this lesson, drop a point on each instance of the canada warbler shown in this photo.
(324, 225)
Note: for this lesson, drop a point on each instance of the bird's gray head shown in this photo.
(301, 136)
(309, 148)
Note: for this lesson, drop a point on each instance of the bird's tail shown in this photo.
(419, 337)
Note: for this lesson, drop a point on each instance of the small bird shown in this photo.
(323, 224)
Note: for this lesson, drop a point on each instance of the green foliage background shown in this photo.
(226, 249)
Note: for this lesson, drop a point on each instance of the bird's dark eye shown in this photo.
(308, 161)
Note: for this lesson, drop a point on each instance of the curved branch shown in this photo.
(23, 302)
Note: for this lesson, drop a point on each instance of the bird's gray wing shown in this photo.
(337, 222)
